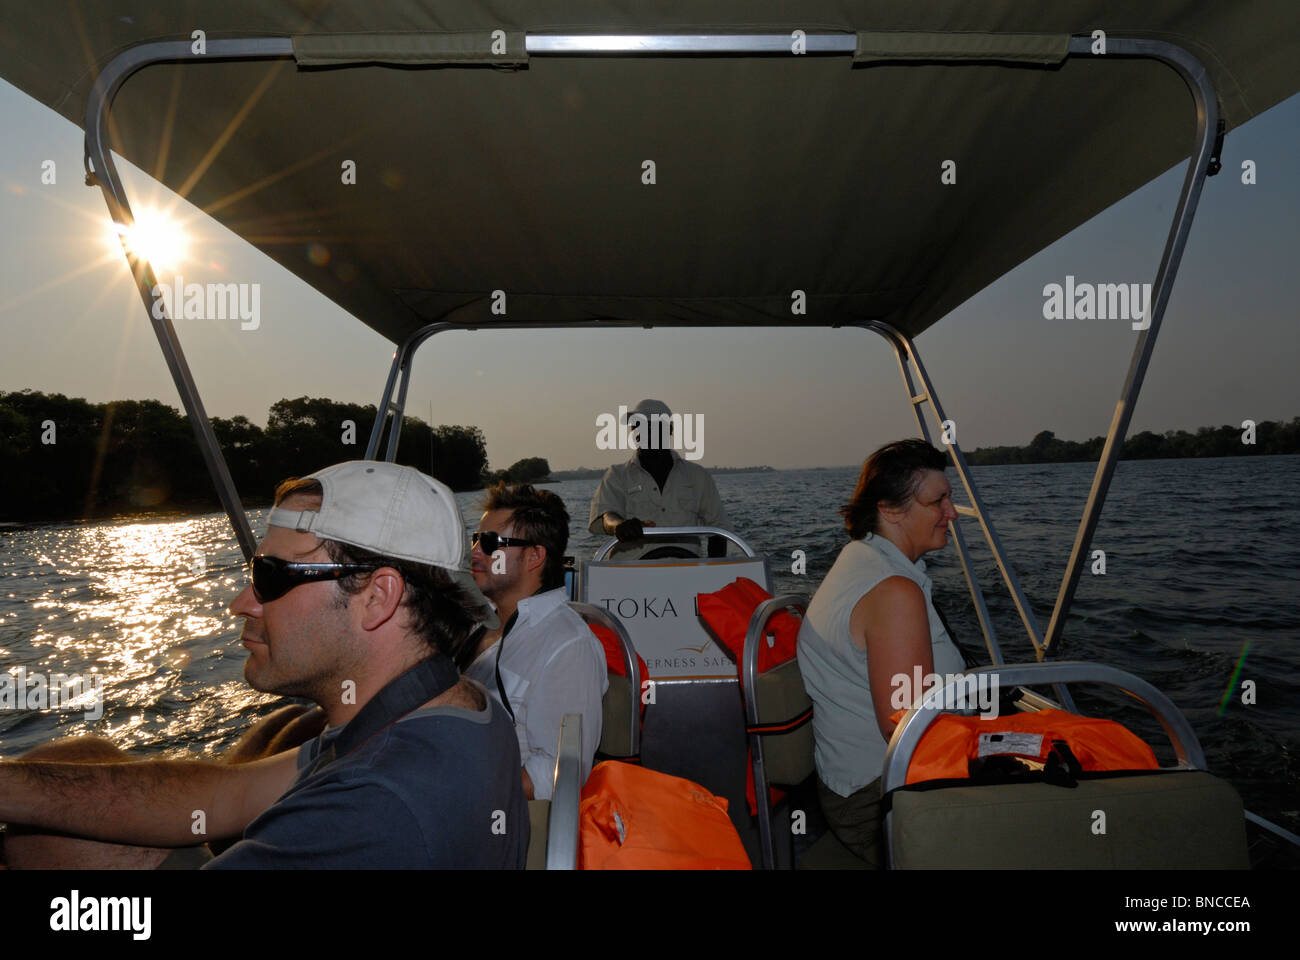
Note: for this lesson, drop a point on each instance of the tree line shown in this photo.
(1266, 437)
(66, 458)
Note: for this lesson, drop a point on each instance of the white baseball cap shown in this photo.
(650, 408)
(394, 511)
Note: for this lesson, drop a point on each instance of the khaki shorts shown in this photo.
(857, 821)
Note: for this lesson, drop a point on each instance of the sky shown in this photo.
(73, 323)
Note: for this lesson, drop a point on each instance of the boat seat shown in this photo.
(787, 756)
(620, 729)
(620, 714)
(775, 697)
(539, 821)
(1178, 817)
(1168, 820)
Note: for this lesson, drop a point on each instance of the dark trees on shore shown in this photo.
(66, 458)
(1227, 441)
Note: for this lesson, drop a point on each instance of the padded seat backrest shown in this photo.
(539, 819)
(620, 707)
(617, 709)
(1176, 820)
(787, 757)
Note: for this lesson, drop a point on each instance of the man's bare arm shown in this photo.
(149, 802)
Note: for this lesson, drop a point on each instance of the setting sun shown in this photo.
(155, 237)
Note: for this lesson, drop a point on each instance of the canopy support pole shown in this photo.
(101, 171)
(1207, 118)
(906, 351)
(903, 348)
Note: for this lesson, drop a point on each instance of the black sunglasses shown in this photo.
(492, 540)
(273, 577)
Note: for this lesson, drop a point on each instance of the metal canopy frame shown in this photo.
(101, 171)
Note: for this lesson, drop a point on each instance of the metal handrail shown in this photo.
(749, 667)
(650, 532)
(908, 733)
(562, 830)
(757, 624)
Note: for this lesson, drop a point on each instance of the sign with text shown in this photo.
(655, 601)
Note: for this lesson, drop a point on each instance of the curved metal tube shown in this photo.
(1206, 101)
(603, 550)
(917, 720)
(749, 667)
(590, 612)
(754, 634)
(101, 171)
(562, 832)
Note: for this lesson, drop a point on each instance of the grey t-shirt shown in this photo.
(438, 788)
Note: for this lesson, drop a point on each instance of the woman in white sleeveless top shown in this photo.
(870, 625)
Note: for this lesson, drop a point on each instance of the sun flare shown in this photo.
(155, 237)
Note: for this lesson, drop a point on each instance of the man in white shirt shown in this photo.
(543, 661)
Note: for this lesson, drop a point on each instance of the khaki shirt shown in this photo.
(688, 499)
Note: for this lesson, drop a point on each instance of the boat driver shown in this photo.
(543, 661)
(656, 487)
(359, 586)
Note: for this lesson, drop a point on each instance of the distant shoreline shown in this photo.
(67, 459)
(595, 473)
(163, 512)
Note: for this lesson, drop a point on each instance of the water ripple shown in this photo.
(1197, 565)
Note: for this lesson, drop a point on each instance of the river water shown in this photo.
(1202, 561)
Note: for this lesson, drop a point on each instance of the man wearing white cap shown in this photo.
(359, 589)
(656, 487)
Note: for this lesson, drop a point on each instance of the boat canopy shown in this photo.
(702, 188)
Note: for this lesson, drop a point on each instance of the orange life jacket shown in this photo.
(631, 818)
(952, 742)
(726, 613)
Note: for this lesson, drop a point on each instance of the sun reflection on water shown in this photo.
(141, 604)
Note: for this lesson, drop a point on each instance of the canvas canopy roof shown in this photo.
(771, 173)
